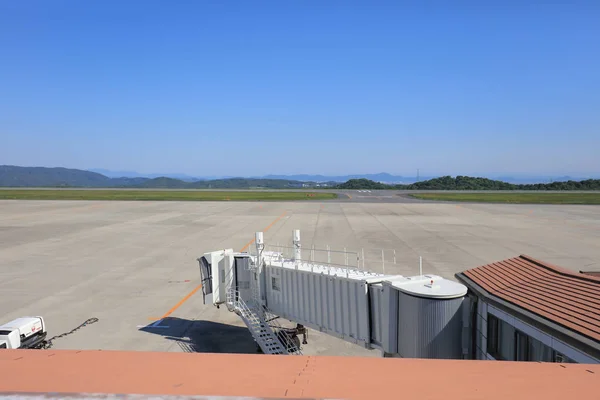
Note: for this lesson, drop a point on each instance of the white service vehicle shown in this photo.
(23, 333)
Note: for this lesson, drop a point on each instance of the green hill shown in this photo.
(14, 176)
(44, 177)
(588, 184)
(363, 184)
(460, 183)
(471, 183)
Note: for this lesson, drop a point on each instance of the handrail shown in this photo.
(249, 310)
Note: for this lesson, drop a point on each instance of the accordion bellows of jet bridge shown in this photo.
(420, 316)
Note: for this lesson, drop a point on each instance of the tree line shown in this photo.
(470, 183)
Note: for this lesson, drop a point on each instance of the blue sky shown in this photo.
(283, 87)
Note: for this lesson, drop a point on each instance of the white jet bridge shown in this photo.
(424, 316)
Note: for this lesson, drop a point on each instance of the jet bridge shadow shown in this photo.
(197, 336)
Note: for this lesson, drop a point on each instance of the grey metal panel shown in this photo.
(324, 296)
(333, 304)
(468, 311)
(243, 275)
(220, 270)
(376, 308)
(206, 276)
(363, 321)
(389, 321)
(429, 328)
(296, 291)
(330, 305)
(314, 293)
(223, 262)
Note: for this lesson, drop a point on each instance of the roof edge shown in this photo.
(590, 273)
(560, 270)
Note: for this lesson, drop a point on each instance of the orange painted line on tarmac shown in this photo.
(186, 298)
(247, 245)
(190, 294)
(264, 230)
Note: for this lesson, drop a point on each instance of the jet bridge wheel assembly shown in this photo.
(290, 335)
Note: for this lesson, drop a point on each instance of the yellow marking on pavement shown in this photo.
(190, 294)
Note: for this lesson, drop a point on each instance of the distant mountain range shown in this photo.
(382, 177)
(15, 176)
(131, 174)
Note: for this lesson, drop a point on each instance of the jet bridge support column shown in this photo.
(297, 246)
(258, 283)
(260, 245)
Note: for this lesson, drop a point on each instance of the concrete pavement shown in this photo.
(131, 263)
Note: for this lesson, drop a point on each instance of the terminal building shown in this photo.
(524, 309)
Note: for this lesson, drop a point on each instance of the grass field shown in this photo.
(512, 197)
(178, 195)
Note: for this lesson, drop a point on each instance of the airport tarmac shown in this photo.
(376, 196)
(131, 264)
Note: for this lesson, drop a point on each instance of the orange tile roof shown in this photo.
(70, 371)
(556, 294)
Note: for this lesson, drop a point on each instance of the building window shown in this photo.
(275, 284)
(504, 342)
(243, 285)
(492, 335)
(500, 339)
(538, 351)
(521, 346)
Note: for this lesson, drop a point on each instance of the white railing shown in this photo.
(373, 259)
(342, 258)
(264, 336)
(292, 346)
(264, 327)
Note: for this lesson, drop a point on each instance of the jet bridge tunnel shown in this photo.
(423, 316)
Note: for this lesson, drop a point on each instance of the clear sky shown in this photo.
(333, 87)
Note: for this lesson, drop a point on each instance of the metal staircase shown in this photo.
(264, 336)
(271, 337)
(287, 340)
